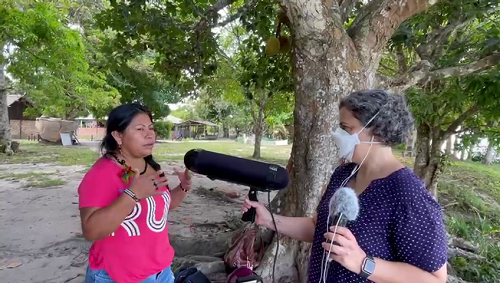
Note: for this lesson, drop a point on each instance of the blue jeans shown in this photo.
(101, 276)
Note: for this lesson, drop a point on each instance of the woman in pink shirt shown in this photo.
(124, 204)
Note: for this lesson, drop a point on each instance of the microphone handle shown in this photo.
(249, 216)
(338, 220)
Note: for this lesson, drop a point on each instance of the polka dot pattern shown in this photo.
(399, 221)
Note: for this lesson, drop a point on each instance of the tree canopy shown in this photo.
(47, 60)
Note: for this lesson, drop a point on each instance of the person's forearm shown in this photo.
(299, 228)
(177, 195)
(398, 272)
(104, 221)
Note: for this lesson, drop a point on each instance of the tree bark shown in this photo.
(470, 152)
(410, 145)
(491, 151)
(258, 122)
(428, 159)
(5, 138)
(462, 155)
(257, 131)
(449, 146)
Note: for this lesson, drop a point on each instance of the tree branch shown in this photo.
(388, 68)
(435, 39)
(219, 5)
(422, 72)
(479, 65)
(346, 7)
(242, 10)
(376, 23)
(402, 65)
(209, 17)
(411, 77)
(435, 44)
(455, 124)
(472, 129)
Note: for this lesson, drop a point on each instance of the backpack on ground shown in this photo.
(191, 275)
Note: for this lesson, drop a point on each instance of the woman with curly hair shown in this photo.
(399, 235)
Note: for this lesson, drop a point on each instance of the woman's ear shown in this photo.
(118, 137)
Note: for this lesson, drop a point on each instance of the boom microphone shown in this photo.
(254, 174)
(259, 176)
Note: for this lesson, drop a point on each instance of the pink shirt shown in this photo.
(140, 246)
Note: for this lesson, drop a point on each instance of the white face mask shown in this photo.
(347, 143)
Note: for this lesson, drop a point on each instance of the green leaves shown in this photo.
(175, 30)
(48, 59)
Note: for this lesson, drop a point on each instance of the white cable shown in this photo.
(326, 263)
(323, 257)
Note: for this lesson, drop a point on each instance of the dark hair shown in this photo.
(394, 122)
(118, 120)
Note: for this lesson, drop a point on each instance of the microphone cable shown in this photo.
(276, 230)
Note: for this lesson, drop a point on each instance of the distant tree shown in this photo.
(47, 60)
(442, 58)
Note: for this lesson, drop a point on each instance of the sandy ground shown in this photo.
(40, 234)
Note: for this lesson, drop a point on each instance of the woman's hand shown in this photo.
(184, 178)
(145, 186)
(347, 253)
(262, 215)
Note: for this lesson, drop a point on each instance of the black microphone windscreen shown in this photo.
(344, 201)
(255, 174)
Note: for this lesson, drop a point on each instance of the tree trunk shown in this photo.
(319, 84)
(257, 131)
(490, 153)
(423, 145)
(428, 159)
(258, 122)
(470, 152)
(462, 155)
(410, 145)
(5, 138)
(328, 64)
(449, 146)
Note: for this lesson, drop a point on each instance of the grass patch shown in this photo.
(470, 195)
(35, 179)
(45, 183)
(32, 152)
(21, 176)
(175, 151)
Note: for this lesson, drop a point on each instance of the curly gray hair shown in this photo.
(392, 125)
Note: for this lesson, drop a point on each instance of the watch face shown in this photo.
(369, 266)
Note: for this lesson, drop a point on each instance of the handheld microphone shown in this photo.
(259, 176)
(344, 206)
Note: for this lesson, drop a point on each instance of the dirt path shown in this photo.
(40, 234)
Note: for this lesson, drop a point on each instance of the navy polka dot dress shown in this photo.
(398, 221)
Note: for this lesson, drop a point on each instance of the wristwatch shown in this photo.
(368, 267)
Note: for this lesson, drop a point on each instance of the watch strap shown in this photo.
(367, 267)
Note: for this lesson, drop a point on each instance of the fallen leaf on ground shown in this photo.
(12, 264)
